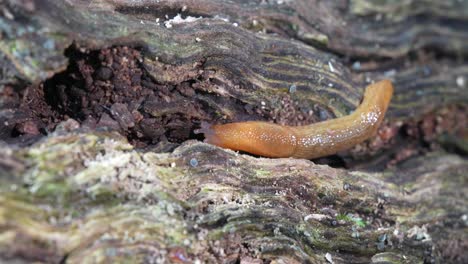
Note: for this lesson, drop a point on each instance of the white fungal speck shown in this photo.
(328, 257)
(330, 65)
(461, 81)
(378, 17)
(221, 18)
(179, 20)
(7, 14)
(390, 73)
(464, 217)
(317, 217)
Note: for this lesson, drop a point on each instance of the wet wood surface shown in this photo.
(99, 99)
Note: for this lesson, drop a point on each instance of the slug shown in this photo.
(311, 141)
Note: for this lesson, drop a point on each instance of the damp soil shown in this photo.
(105, 89)
(109, 89)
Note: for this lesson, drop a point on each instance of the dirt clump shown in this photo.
(106, 89)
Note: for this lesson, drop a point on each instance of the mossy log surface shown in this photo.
(91, 197)
(77, 194)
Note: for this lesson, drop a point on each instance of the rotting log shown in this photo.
(260, 66)
(79, 194)
(106, 202)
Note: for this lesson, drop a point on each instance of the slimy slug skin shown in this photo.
(308, 142)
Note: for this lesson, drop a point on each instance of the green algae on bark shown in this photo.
(128, 205)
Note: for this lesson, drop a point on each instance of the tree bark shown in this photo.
(79, 185)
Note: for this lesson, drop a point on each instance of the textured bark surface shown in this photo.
(98, 101)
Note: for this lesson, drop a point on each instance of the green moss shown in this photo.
(262, 173)
(359, 222)
(58, 190)
(343, 217)
(134, 198)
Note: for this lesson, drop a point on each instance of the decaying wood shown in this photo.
(106, 201)
(86, 195)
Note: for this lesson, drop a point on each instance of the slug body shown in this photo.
(309, 142)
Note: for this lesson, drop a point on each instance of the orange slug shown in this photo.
(311, 141)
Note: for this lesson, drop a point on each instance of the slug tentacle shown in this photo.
(312, 141)
(209, 133)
